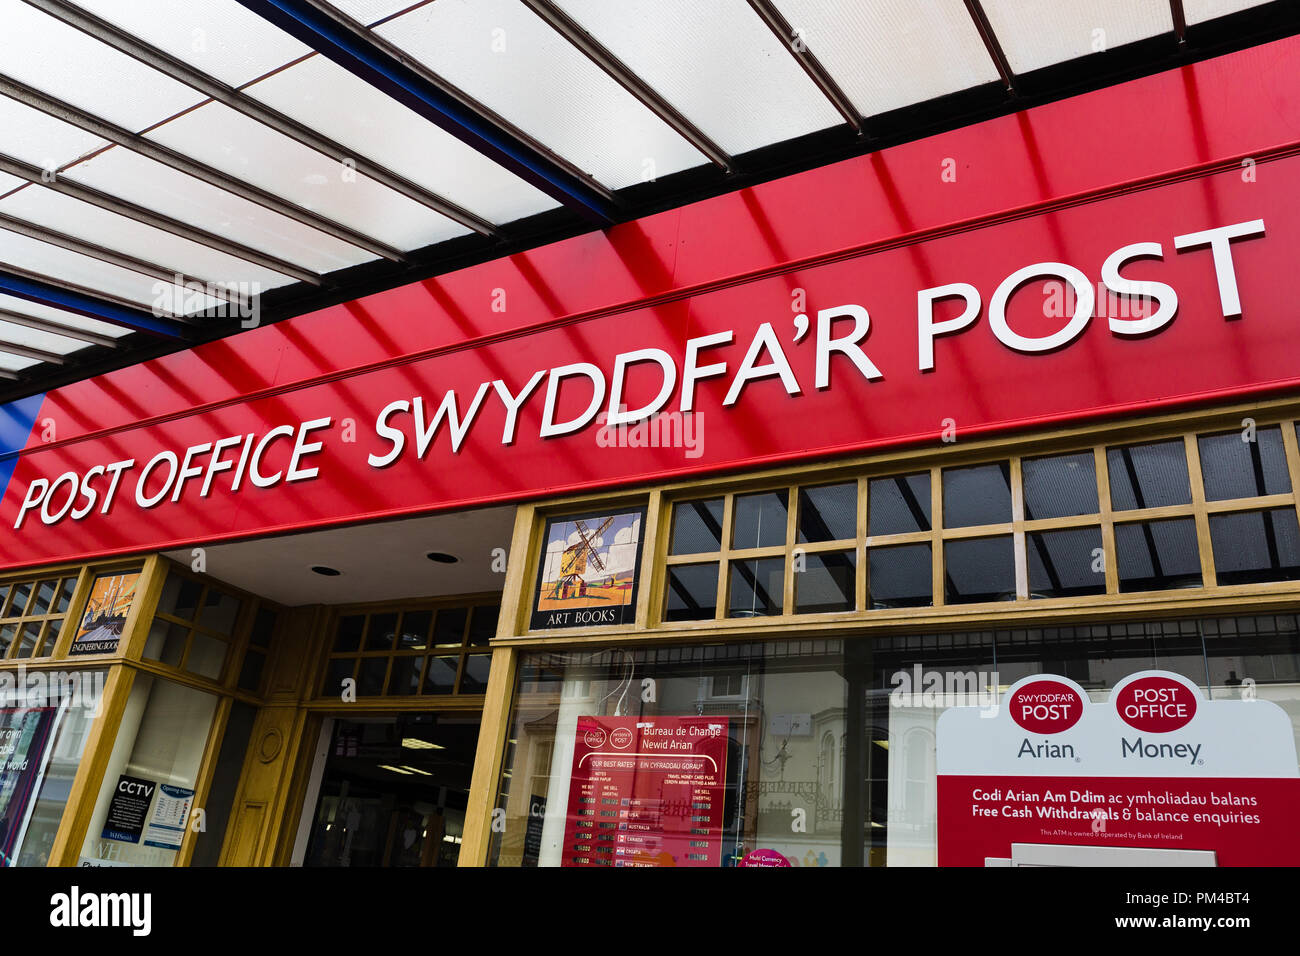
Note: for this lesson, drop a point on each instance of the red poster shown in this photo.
(647, 791)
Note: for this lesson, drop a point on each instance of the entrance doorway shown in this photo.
(391, 790)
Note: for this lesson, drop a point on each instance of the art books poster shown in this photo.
(100, 628)
(588, 572)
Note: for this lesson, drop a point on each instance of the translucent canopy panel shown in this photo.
(505, 57)
(75, 218)
(335, 103)
(1198, 11)
(49, 313)
(46, 259)
(36, 339)
(716, 62)
(164, 190)
(57, 59)
(367, 12)
(1038, 33)
(15, 363)
(245, 149)
(34, 137)
(9, 183)
(886, 55)
(219, 37)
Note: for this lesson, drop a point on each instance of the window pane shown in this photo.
(697, 527)
(207, 656)
(27, 639)
(1234, 468)
(980, 494)
(1065, 563)
(449, 628)
(979, 569)
(44, 595)
(1155, 555)
(349, 633)
(1256, 546)
(250, 673)
(483, 624)
(1148, 476)
(405, 678)
(166, 642)
(826, 584)
(370, 676)
(7, 633)
(18, 606)
(414, 633)
(4, 597)
(336, 673)
(65, 595)
(899, 505)
(828, 513)
(440, 675)
(219, 611)
(760, 520)
(1061, 486)
(757, 587)
(692, 592)
(475, 678)
(900, 576)
(263, 628)
(381, 630)
(180, 597)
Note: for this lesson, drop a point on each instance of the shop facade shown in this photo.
(767, 496)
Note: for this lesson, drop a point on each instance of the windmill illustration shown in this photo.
(573, 562)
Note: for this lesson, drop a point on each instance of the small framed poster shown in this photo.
(100, 628)
(589, 570)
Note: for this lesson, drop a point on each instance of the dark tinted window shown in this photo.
(1256, 546)
(1148, 476)
(980, 494)
(1234, 468)
(760, 520)
(1065, 563)
(757, 587)
(828, 513)
(900, 576)
(692, 592)
(697, 527)
(826, 583)
(979, 569)
(898, 505)
(1154, 555)
(1060, 486)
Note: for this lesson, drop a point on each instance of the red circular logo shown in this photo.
(620, 737)
(1156, 705)
(1045, 706)
(595, 739)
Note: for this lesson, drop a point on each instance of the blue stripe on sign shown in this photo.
(16, 421)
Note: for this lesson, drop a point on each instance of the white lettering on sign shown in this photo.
(580, 394)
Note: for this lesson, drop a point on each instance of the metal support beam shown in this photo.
(996, 53)
(120, 259)
(624, 76)
(95, 305)
(780, 27)
(55, 328)
(148, 217)
(26, 351)
(235, 99)
(68, 113)
(1180, 21)
(370, 57)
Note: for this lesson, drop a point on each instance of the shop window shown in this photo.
(1251, 546)
(1148, 476)
(977, 495)
(760, 520)
(1244, 464)
(1065, 563)
(979, 569)
(193, 627)
(697, 527)
(757, 587)
(408, 652)
(826, 584)
(1060, 486)
(1157, 555)
(899, 505)
(900, 576)
(828, 513)
(692, 592)
(225, 782)
(259, 646)
(47, 719)
(143, 810)
(32, 613)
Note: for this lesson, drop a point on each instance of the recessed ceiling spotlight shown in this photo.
(442, 557)
(326, 571)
